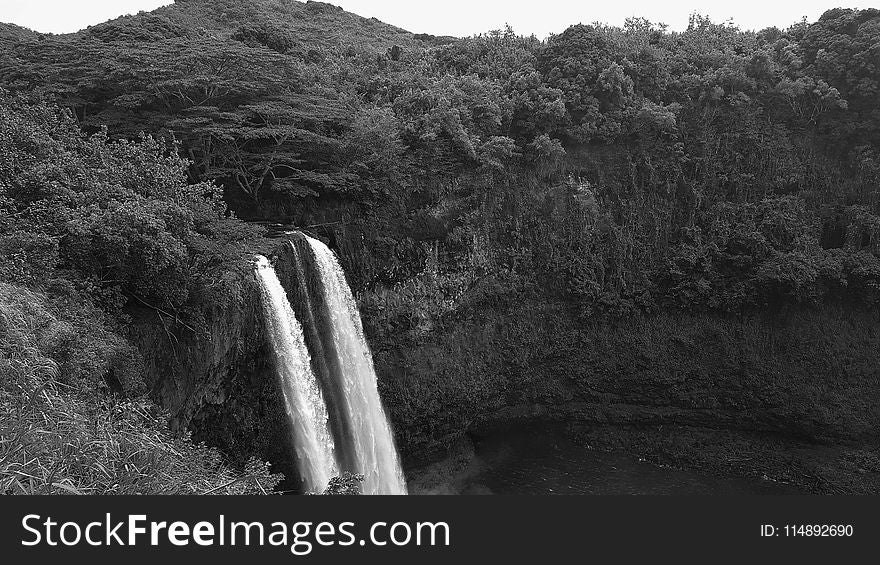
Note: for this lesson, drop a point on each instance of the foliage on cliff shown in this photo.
(86, 227)
(625, 169)
(63, 433)
(114, 221)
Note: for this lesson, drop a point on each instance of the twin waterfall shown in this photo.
(302, 393)
(336, 417)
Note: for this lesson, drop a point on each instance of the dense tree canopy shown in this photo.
(115, 219)
(623, 167)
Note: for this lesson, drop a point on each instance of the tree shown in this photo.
(118, 218)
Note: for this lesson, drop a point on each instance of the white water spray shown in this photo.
(302, 394)
(376, 454)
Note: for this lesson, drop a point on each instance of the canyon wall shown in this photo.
(811, 375)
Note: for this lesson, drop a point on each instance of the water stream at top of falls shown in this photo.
(375, 453)
(303, 398)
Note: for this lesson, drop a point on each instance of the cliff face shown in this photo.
(218, 381)
(812, 377)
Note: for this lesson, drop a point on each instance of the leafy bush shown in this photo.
(29, 258)
(347, 484)
(118, 218)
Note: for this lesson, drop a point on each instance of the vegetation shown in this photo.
(627, 169)
(345, 485)
(623, 172)
(59, 436)
(87, 226)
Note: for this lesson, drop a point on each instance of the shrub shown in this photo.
(346, 484)
(60, 438)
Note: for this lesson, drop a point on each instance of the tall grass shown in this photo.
(62, 437)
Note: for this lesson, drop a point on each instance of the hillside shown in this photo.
(308, 24)
(15, 33)
(597, 188)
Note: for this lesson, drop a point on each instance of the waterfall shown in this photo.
(302, 394)
(375, 455)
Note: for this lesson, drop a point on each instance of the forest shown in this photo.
(615, 173)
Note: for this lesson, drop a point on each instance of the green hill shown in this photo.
(12, 32)
(308, 24)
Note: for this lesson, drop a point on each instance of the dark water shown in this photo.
(547, 463)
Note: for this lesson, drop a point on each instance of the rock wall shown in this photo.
(218, 381)
(814, 376)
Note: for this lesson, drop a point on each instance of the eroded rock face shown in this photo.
(218, 381)
(812, 377)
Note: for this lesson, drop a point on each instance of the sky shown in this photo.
(464, 17)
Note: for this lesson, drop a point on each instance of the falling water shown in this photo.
(375, 454)
(302, 394)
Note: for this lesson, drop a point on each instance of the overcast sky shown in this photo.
(463, 17)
